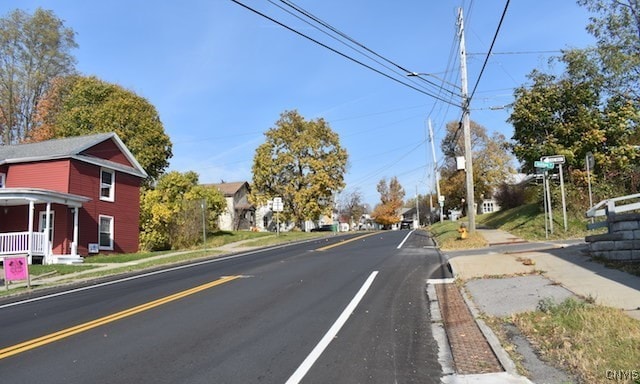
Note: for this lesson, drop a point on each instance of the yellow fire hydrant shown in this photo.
(462, 231)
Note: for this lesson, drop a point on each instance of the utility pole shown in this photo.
(417, 206)
(471, 212)
(435, 171)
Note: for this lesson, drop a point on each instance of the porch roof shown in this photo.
(21, 196)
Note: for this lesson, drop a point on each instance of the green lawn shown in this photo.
(214, 240)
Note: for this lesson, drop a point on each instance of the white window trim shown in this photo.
(112, 190)
(111, 238)
(3, 180)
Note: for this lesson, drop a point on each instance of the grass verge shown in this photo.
(144, 260)
(590, 341)
(285, 237)
(60, 269)
(448, 237)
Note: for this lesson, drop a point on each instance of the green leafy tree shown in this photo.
(78, 105)
(616, 27)
(572, 115)
(303, 163)
(491, 163)
(387, 212)
(34, 49)
(171, 213)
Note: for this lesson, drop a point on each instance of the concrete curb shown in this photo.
(510, 375)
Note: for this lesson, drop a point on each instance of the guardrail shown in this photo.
(605, 207)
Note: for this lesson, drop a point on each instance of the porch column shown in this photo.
(47, 240)
(74, 244)
(30, 245)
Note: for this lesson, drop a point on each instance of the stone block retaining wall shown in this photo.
(623, 240)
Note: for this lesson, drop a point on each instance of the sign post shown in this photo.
(559, 159)
(546, 196)
(590, 162)
(277, 208)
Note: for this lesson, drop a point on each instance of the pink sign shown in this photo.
(16, 268)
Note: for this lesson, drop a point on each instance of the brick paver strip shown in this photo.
(471, 352)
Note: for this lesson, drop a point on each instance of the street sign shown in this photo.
(555, 159)
(277, 204)
(543, 165)
(591, 162)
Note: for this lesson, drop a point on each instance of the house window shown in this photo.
(107, 184)
(105, 232)
(3, 176)
(487, 207)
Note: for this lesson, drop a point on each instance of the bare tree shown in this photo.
(34, 49)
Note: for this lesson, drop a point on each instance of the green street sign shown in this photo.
(543, 164)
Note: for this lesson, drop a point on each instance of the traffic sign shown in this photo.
(543, 164)
(555, 159)
(277, 204)
(590, 160)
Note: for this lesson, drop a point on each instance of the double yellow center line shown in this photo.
(344, 242)
(50, 338)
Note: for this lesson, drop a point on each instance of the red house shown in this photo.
(60, 199)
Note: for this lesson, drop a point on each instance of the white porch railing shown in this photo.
(18, 242)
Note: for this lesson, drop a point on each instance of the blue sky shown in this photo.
(220, 75)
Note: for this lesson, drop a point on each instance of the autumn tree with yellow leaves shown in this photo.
(301, 162)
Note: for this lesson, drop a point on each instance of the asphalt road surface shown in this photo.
(338, 310)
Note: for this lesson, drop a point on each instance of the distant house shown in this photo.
(60, 199)
(239, 213)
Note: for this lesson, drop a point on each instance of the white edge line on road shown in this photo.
(209, 261)
(405, 238)
(331, 333)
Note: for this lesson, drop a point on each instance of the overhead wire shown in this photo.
(345, 36)
(349, 39)
(469, 97)
(436, 94)
(486, 60)
(341, 53)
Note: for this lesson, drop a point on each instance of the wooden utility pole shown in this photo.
(471, 212)
(435, 172)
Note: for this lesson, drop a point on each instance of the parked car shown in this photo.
(323, 228)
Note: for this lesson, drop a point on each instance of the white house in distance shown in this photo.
(239, 213)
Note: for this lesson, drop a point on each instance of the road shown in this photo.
(337, 310)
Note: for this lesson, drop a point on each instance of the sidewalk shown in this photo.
(567, 266)
(500, 284)
(36, 281)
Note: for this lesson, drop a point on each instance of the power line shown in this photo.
(513, 53)
(344, 36)
(484, 65)
(343, 54)
(486, 60)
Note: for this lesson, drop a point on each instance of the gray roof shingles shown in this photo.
(69, 147)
